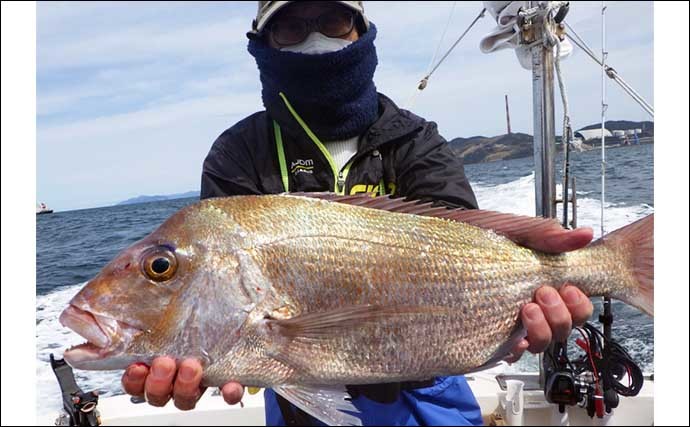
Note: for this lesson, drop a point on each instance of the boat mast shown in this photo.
(534, 23)
(543, 107)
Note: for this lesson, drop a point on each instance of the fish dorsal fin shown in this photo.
(544, 234)
(325, 403)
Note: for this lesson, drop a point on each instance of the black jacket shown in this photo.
(402, 149)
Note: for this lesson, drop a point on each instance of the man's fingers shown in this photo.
(159, 383)
(186, 391)
(538, 330)
(134, 378)
(559, 241)
(517, 351)
(232, 392)
(578, 304)
(555, 312)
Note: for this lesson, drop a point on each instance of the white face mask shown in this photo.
(317, 43)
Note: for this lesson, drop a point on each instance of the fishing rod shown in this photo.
(578, 382)
(591, 381)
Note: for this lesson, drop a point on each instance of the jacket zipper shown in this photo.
(339, 176)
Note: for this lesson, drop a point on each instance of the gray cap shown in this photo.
(269, 8)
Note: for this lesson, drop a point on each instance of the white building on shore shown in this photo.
(589, 134)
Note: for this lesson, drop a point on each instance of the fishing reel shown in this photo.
(79, 408)
(565, 387)
(592, 381)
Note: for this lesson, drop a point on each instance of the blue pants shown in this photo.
(448, 402)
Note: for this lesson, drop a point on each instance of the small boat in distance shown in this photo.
(41, 208)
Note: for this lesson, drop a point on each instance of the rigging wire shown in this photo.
(443, 37)
(423, 83)
(416, 91)
(610, 72)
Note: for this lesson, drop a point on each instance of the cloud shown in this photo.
(156, 117)
(465, 95)
(141, 152)
(137, 86)
(141, 44)
(130, 96)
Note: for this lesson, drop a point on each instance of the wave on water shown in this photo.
(517, 197)
(633, 329)
(52, 337)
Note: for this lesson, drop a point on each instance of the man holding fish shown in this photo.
(325, 128)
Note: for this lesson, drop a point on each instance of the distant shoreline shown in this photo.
(481, 149)
(476, 149)
(158, 198)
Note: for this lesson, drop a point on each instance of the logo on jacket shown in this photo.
(302, 166)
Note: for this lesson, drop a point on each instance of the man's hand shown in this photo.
(164, 380)
(552, 314)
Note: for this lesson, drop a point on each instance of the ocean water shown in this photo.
(73, 246)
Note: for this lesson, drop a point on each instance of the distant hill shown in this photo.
(144, 199)
(479, 149)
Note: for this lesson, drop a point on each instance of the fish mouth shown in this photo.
(105, 336)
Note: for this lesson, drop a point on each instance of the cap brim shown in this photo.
(268, 14)
(277, 5)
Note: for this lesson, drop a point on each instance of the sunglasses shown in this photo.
(291, 30)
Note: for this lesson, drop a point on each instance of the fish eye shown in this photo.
(159, 264)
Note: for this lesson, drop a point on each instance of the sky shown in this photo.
(130, 96)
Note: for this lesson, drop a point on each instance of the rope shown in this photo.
(554, 40)
(566, 135)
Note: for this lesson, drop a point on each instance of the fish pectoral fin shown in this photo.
(325, 403)
(333, 323)
(504, 351)
(291, 341)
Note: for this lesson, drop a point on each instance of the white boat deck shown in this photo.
(213, 411)
(638, 410)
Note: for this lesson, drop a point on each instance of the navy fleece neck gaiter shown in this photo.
(334, 92)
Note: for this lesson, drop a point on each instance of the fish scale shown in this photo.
(307, 294)
(451, 273)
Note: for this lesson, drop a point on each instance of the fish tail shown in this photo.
(636, 242)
